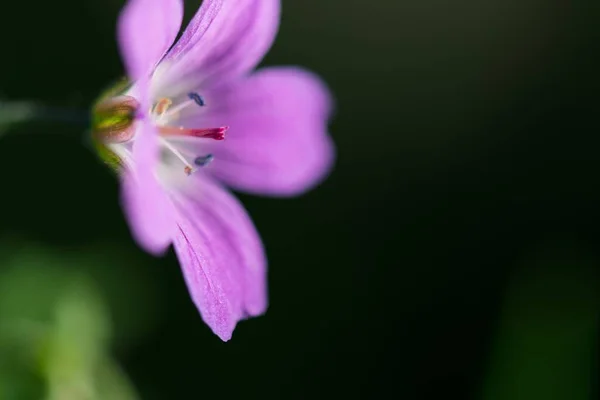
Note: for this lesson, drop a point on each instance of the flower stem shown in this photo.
(17, 112)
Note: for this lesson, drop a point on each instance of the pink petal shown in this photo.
(222, 257)
(277, 142)
(146, 30)
(148, 209)
(226, 38)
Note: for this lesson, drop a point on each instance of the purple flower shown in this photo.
(164, 134)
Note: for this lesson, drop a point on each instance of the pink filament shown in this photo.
(209, 133)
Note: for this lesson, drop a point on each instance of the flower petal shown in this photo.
(221, 256)
(146, 30)
(147, 206)
(225, 38)
(277, 142)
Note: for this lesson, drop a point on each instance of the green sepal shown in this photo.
(110, 119)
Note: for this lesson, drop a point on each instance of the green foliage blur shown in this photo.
(55, 329)
(547, 335)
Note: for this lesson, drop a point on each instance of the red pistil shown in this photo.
(209, 133)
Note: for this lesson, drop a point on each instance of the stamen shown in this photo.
(197, 98)
(162, 106)
(203, 161)
(209, 133)
(194, 98)
(188, 169)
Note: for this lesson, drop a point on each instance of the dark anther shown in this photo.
(204, 160)
(197, 98)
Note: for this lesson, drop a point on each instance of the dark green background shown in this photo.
(467, 137)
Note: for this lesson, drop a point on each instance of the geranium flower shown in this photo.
(192, 119)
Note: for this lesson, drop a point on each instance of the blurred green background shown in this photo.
(453, 252)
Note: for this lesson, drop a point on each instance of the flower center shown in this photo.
(164, 113)
(114, 130)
